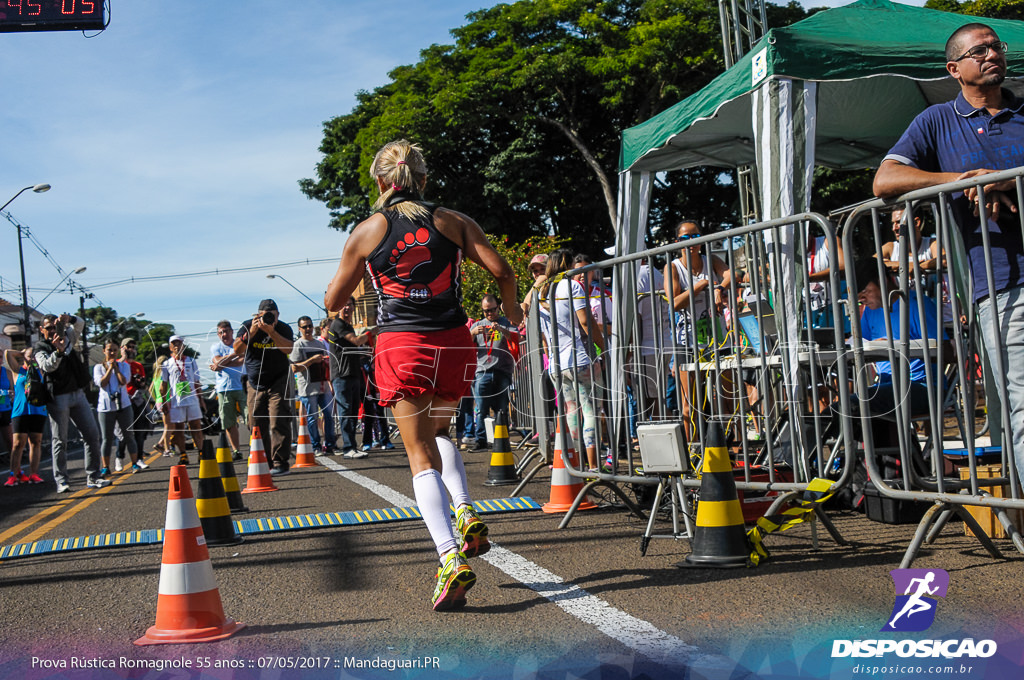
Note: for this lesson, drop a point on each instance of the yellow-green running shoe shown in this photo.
(454, 578)
(472, 530)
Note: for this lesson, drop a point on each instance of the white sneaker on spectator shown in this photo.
(118, 465)
(62, 487)
(351, 453)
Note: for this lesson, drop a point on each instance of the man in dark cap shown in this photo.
(881, 396)
(266, 343)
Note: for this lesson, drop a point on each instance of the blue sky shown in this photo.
(174, 141)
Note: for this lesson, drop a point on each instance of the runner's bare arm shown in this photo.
(364, 238)
(479, 250)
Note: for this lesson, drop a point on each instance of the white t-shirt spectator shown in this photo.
(181, 375)
(572, 342)
(229, 378)
(649, 327)
(112, 399)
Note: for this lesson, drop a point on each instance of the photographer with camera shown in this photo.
(493, 336)
(114, 405)
(266, 343)
(67, 375)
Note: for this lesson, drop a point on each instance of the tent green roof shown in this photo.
(878, 64)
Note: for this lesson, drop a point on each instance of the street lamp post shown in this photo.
(38, 188)
(315, 303)
(54, 289)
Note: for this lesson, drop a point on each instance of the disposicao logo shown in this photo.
(917, 596)
(915, 608)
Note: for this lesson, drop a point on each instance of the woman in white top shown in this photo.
(698, 287)
(578, 334)
(115, 406)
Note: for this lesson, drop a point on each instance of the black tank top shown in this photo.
(416, 272)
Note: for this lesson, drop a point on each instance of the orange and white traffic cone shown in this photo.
(304, 455)
(564, 487)
(188, 606)
(258, 477)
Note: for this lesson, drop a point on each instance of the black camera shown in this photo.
(268, 317)
(58, 329)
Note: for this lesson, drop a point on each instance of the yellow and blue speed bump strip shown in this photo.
(261, 525)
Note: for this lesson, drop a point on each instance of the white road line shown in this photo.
(638, 635)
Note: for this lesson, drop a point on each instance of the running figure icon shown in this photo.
(920, 589)
(916, 604)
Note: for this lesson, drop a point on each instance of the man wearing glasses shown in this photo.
(67, 374)
(309, 364)
(231, 399)
(494, 365)
(980, 132)
(347, 351)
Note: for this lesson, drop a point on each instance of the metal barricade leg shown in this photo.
(933, 515)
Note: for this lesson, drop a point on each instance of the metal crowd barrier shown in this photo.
(767, 370)
(783, 366)
(950, 362)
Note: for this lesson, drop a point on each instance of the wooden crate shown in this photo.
(986, 518)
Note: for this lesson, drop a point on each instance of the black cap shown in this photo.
(268, 305)
(866, 272)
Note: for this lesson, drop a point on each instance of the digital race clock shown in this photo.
(51, 15)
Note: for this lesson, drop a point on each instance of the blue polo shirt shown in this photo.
(872, 327)
(956, 137)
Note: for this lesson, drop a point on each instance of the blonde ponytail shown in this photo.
(400, 167)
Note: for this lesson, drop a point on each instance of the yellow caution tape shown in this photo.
(816, 493)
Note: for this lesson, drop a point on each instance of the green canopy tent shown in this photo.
(876, 65)
(836, 89)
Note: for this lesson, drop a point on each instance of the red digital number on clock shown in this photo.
(68, 6)
(34, 8)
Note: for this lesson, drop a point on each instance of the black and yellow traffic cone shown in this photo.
(720, 539)
(226, 464)
(212, 503)
(503, 465)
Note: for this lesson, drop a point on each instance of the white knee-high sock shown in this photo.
(453, 472)
(433, 502)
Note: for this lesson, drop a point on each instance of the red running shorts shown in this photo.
(408, 364)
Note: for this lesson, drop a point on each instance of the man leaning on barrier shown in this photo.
(979, 132)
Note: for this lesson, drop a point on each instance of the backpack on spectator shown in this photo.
(36, 391)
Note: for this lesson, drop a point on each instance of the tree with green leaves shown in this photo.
(103, 323)
(99, 321)
(476, 282)
(520, 118)
(992, 9)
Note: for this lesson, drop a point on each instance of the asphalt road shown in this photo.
(354, 601)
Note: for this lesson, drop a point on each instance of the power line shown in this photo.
(211, 272)
(24, 229)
